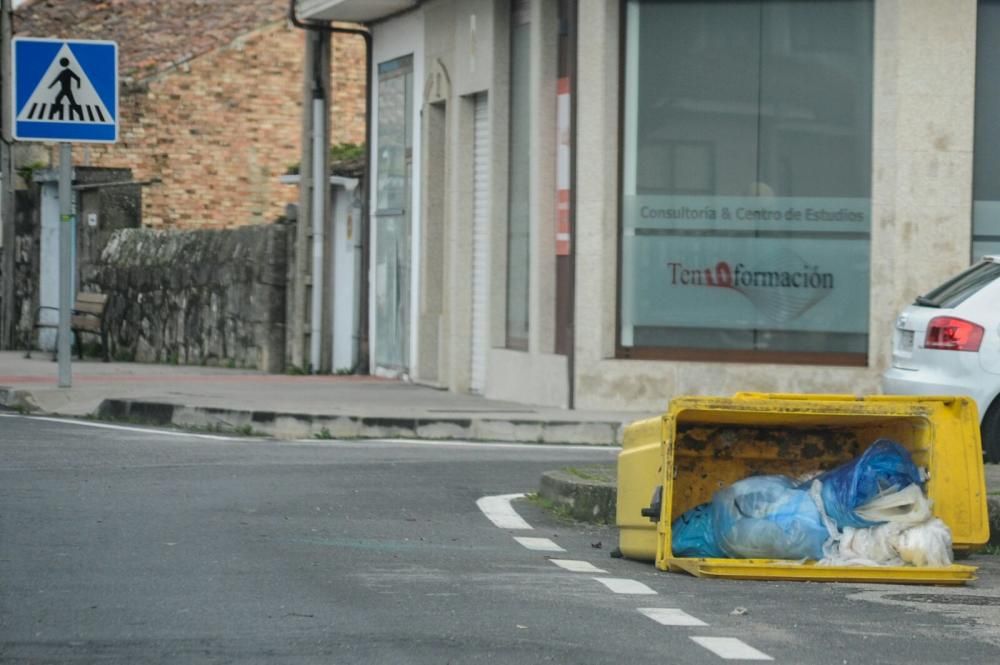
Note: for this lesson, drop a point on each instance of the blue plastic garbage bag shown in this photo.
(886, 466)
(767, 517)
(693, 534)
(764, 517)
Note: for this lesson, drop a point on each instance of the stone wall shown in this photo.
(213, 297)
(25, 265)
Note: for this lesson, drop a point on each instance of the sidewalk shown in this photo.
(290, 407)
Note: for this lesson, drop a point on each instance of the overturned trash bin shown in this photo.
(674, 463)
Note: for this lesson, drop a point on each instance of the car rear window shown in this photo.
(958, 288)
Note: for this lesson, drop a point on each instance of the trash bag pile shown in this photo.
(872, 511)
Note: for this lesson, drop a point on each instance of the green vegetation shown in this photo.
(27, 171)
(342, 152)
(595, 474)
(557, 509)
(347, 151)
(324, 434)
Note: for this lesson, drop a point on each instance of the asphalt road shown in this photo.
(133, 546)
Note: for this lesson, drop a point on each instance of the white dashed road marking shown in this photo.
(731, 648)
(500, 512)
(622, 585)
(577, 566)
(539, 544)
(669, 616)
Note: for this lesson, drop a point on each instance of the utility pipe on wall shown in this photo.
(317, 28)
(318, 224)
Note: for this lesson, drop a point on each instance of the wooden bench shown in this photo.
(86, 316)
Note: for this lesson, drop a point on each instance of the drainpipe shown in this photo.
(573, 94)
(363, 366)
(7, 227)
(319, 194)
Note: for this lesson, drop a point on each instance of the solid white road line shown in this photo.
(577, 566)
(499, 511)
(669, 616)
(731, 648)
(125, 428)
(622, 585)
(539, 544)
(458, 443)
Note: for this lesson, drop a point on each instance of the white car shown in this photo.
(948, 343)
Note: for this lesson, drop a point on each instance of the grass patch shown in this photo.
(324, 434)
(594, 474)
(990, 549)
(558, 510)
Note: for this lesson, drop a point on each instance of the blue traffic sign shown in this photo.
(65, 90)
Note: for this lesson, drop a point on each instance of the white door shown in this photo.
(480, 243)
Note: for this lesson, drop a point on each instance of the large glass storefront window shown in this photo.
(746, 180)
(986, 177)
(519, 218)
(391, 224)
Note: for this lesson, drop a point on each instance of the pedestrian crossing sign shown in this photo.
(65, 90)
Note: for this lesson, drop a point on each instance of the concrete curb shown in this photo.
(586, 499)
(993, 505)
(304, 426)
(19, 400)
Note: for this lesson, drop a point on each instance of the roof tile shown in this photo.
(152, 35)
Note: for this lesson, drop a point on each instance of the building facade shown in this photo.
(607, 203)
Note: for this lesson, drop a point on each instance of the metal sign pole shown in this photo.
(66, 222)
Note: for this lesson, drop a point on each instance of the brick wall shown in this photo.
(218, 130)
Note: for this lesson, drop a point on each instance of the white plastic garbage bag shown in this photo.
(907, 506)
(908, 534)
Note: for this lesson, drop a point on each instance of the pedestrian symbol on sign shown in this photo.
(65, 81)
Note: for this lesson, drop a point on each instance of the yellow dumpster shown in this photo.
(677, 461)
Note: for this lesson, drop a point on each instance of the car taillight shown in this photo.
(950, 334)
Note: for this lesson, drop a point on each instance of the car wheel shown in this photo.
(991, 433)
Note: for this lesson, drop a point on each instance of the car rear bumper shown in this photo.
(896, 381)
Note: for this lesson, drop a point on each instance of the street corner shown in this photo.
(584, 493)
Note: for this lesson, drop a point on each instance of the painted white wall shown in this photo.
(538, 375)
(345, 281)
(48, 287)
(49, 264)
